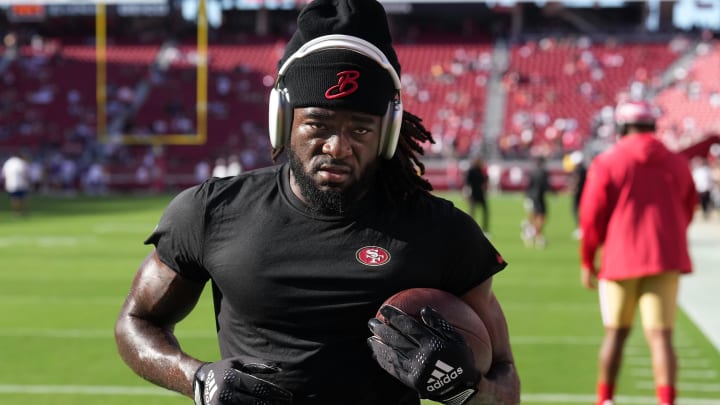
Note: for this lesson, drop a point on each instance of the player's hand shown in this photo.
(588, 278)
(429, 356)
(238, 381)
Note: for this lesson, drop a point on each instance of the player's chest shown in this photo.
(321, 261)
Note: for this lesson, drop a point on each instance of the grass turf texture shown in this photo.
(67, 267)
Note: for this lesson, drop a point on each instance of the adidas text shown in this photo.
(442, 375)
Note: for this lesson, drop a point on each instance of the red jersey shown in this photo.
(638, 201)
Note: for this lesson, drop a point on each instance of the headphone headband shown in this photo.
(280, 111)
(343, 42)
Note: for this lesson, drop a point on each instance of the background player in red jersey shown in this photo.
(638, 201)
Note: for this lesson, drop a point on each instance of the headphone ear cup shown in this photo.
(392, 121)
(279, 116)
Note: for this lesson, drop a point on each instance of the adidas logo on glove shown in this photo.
(210, 387)
(442, 375)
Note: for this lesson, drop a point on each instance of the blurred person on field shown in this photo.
(301, 255)
(578, 174)
(16, 174)
(536, 204)
(638, 202)
(475, 191)
(703, 179)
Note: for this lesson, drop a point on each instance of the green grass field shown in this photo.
(65, 269)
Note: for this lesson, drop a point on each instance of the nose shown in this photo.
(337, 146)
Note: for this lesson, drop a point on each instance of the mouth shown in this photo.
(333, 174)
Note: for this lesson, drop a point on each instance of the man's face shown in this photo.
(333, 156)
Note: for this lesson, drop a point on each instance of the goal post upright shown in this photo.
(201, 89)
(101, 70)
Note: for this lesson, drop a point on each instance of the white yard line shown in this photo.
(89, 333)
(83, 390)
(545, 398)
(620, 399)
(108, 333)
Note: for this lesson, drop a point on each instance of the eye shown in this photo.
(316, 125)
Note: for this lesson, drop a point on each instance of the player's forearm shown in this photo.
(500, 386)
(154, 353)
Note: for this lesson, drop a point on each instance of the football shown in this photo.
(459, 314)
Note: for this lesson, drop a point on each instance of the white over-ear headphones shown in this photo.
(280, 112)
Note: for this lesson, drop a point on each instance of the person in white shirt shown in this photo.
(702, 176)
(16, 173)
(234, 167)
(220, 168)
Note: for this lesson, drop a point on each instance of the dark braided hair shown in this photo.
(401, 176)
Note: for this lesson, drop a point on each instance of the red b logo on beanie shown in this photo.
(347, 85)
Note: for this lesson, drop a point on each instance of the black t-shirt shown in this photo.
(297, 289)
(477, 180)
(539, 185)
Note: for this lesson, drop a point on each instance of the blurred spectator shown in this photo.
(202, 171)
(142, 176)
(233, 166)
(16, 173)
(68, 175)
(37, 175)
(95, 180)
(220, 168)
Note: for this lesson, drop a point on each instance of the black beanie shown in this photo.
(336, 78)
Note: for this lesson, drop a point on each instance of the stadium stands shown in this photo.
(557, 86)
(691, 105)
(555, 89)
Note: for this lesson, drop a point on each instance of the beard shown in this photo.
(333, 201)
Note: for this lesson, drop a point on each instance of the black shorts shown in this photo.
(17, 195)
(535, 206)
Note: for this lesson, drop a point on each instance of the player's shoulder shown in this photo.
(606, 159)
(431, 206)
(255, 177)
(432, 200)
(217, 189)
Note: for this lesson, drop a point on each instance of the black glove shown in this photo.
(429, 356)
(235, 381)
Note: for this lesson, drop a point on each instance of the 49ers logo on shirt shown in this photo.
(372, 256)
(347, 84)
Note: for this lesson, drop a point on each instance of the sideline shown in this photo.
(698, 295)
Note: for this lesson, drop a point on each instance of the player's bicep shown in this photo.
(160, 295)
(483, 300)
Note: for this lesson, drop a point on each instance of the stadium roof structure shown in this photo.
(77, 2)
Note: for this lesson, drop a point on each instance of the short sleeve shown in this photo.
(477, 259)
(178, 237)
